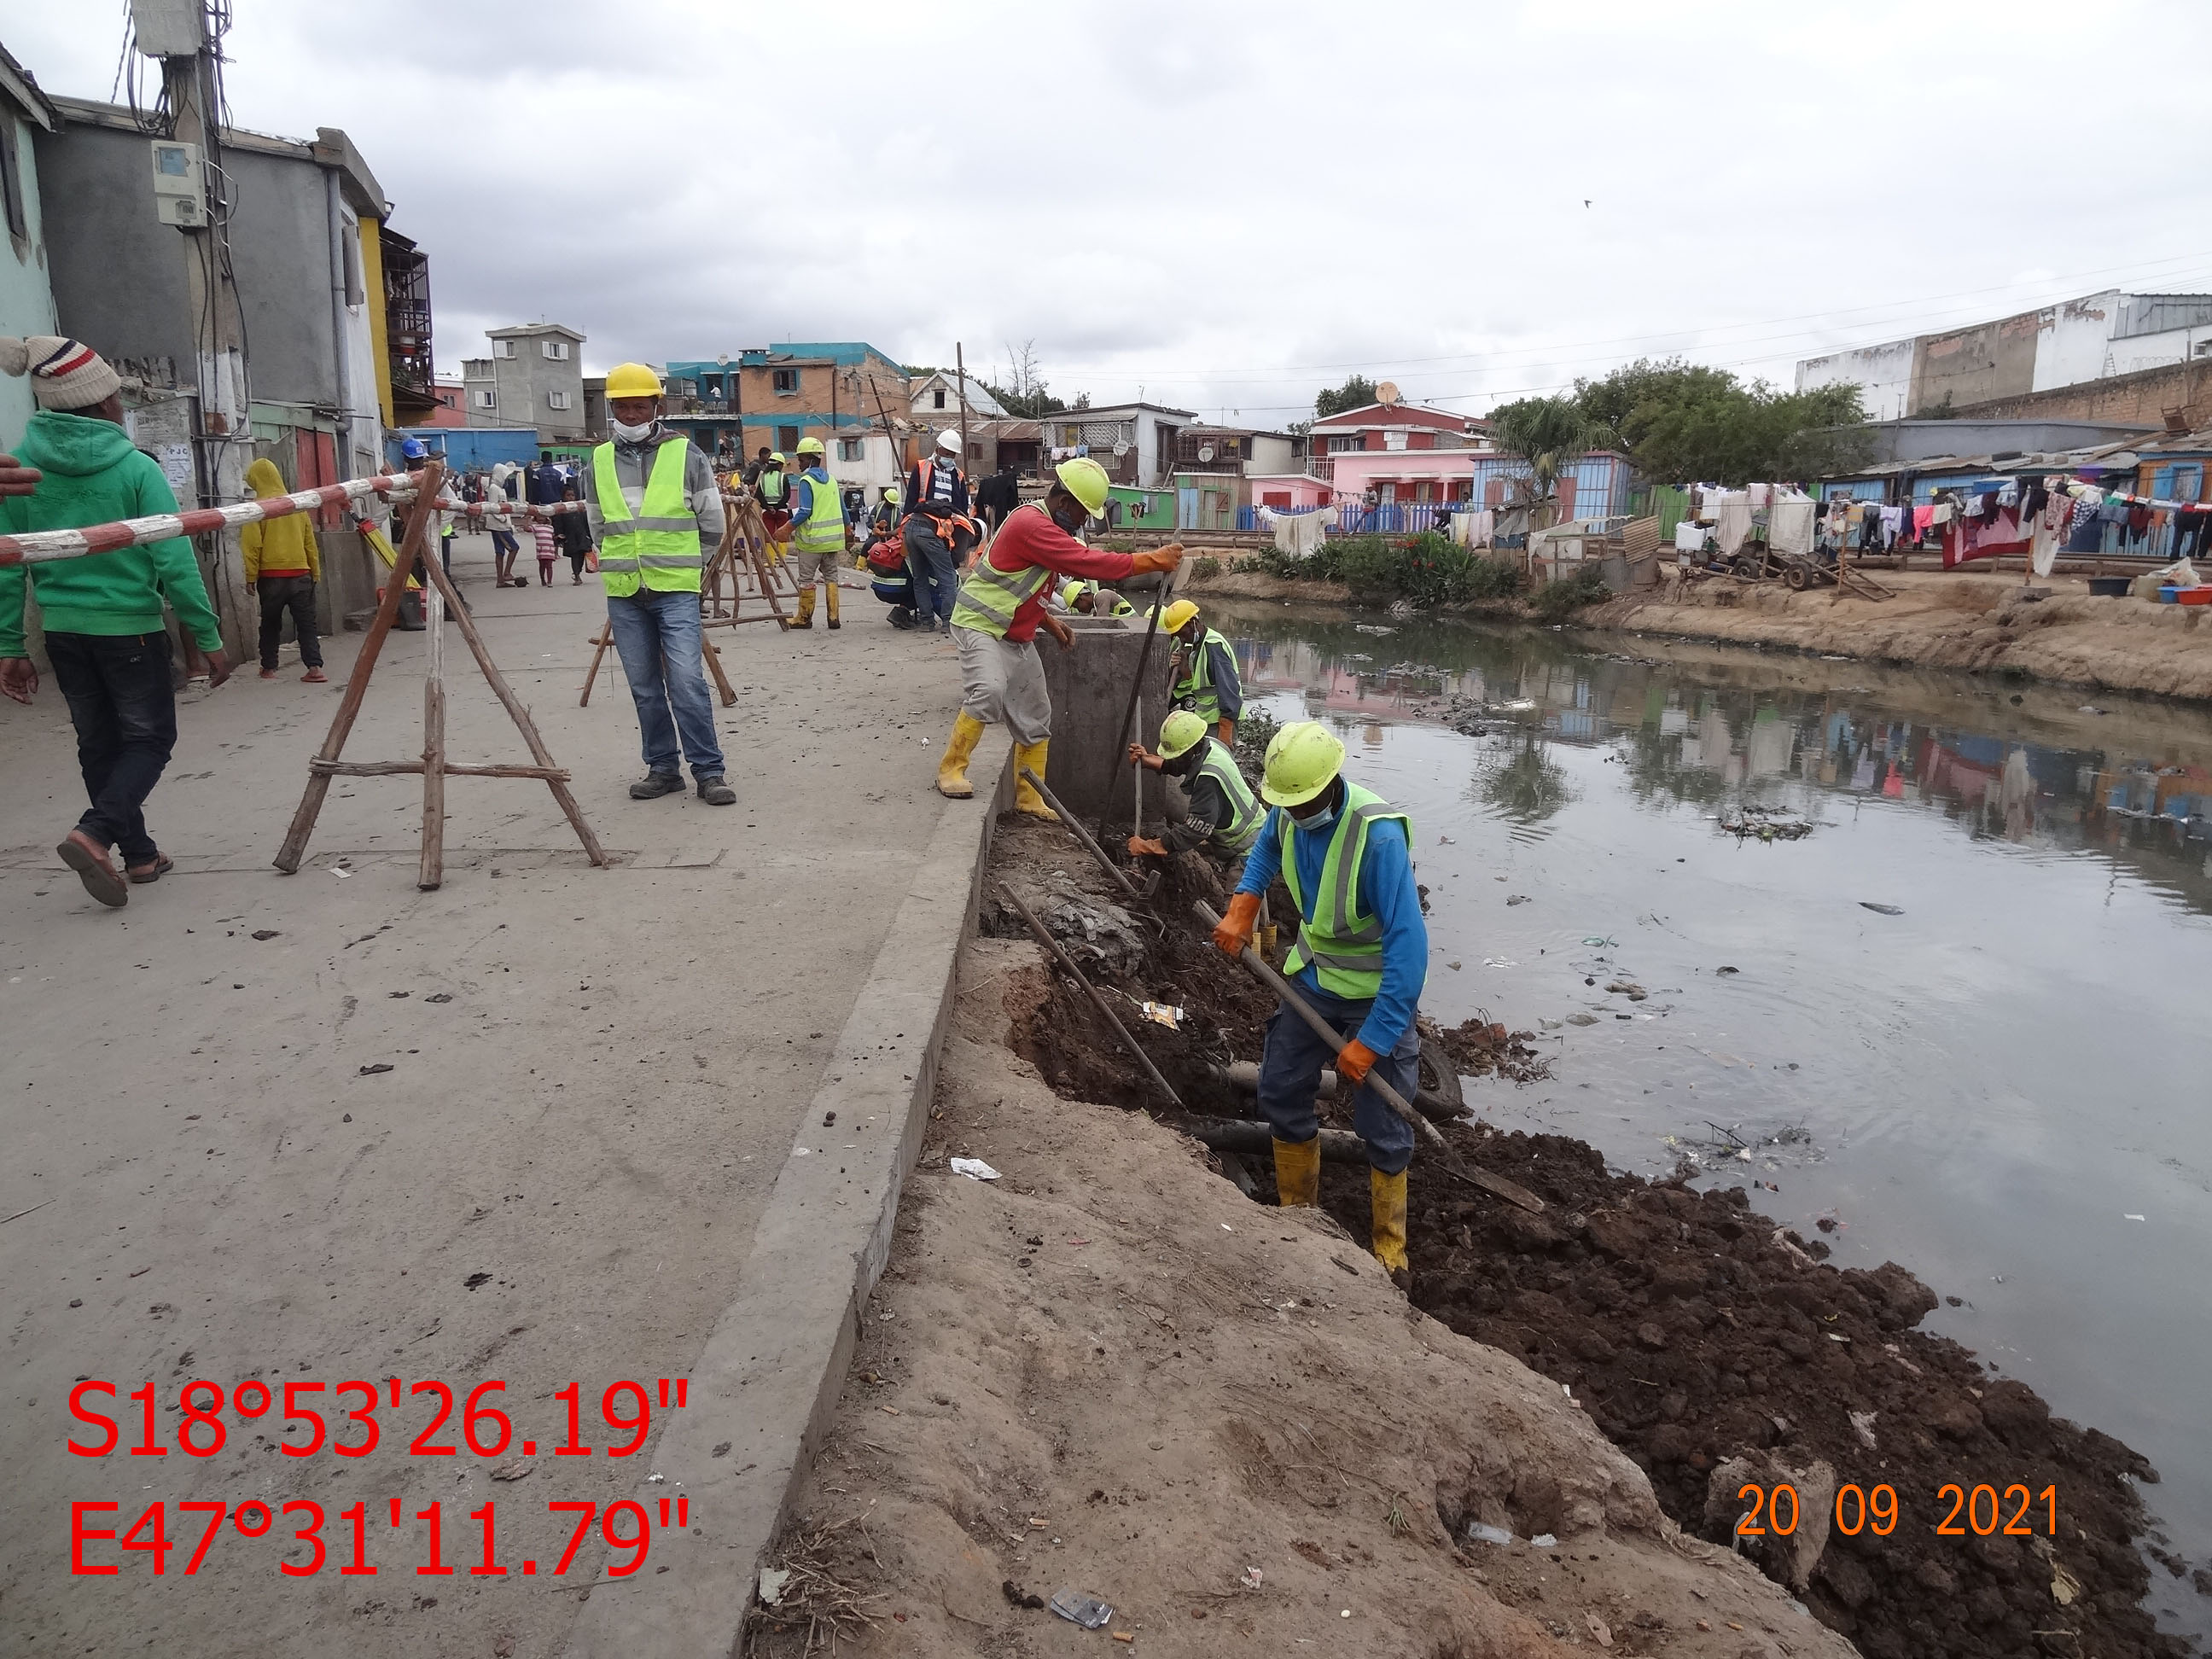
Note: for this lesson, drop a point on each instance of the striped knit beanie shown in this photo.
(65, 373)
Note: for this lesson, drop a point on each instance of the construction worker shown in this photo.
(1225, 817)
(819, 537)
(1089, 599)
(939, 531)
(652, 502)
(1001, 608)
(774, 490)
(1361, 956)
(884, 522)
(1203, 670)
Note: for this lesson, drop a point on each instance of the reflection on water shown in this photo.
(2001, 1076)
(1780, 744)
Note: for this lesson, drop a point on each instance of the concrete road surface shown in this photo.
(308, 1130)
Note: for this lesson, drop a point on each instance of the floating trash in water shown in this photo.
(1880, 909)
(1499, 962)
(1609, 944)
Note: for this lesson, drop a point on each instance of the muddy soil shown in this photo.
(1695, 1331)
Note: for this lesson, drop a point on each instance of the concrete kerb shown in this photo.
(768, 1380)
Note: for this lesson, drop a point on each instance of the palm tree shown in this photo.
(1548, 433)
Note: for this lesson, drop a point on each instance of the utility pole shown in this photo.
(960, 368)
(183, 36)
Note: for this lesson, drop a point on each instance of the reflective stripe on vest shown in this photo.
(823, 531)
(1247, 814)
(1345, 948)
(989, 596)
(1194, 691)
(774, 483)
(658, 545)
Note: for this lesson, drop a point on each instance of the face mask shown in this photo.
(1070, 520)
(632, 434)
(1319, 822)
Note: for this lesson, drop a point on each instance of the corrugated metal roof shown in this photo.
(2155, 314)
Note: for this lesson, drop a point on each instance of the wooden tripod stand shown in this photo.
(438, 590)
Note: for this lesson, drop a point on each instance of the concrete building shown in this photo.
(2095, 337)
(534, 377)
(452, 408)
(309, 383)
(770, 396)
(26, 297)
(1134, 442)
(936, 401)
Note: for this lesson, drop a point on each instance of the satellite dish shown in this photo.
(1206, 451)
(1121, 448)
(723, 360)
(1387, 393)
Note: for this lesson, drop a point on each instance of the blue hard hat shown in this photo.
(413, 450)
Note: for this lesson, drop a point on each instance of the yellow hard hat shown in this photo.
(810, 445)
(632, 380)
(776, 459)
(890, 492)
(1182, 730)
(1085, 480)
(1179, 616)
(1071, 590)
(1301, 760)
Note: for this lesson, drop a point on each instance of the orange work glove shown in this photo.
(1234, 932)
(1226, 731)
(1139, 847)
(1155, 559)
(1352, 1061)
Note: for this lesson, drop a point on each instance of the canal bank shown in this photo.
(2051, 631)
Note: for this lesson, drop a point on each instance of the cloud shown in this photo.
(1229, 204)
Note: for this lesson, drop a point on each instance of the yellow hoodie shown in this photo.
(281, 547)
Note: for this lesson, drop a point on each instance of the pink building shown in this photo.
(1293, 492)
(1400, 452)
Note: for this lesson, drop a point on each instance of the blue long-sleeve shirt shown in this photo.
(1228, 690)
(1385, 891)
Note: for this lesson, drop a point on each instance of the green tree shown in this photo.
(1738, 434)
(1613, 401)
(1548, 433)
(1356, 393)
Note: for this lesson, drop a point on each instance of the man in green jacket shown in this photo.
(102, 611)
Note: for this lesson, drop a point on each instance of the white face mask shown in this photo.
(632, 434)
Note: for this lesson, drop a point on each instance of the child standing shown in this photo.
(542, 533)
(573, 533)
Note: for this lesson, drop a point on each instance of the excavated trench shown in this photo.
(1714, 1347)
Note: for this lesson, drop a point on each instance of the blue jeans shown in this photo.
(936, 577)
(1290, 1078)
(125, 710)
(657, 637)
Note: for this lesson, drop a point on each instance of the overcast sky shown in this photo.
(1226, 206)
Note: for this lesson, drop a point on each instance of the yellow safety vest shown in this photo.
(1194, 691)
(823, 531)
(657, 544)
(1345, 947)
(1244, 828)
(989, 596)
(773, 484)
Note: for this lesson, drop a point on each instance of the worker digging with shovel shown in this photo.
(1361, 958)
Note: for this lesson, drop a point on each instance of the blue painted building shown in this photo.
(770, 396)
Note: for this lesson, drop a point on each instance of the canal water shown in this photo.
(2006, 1085)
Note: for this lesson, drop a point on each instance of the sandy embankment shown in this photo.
(1109, 1371)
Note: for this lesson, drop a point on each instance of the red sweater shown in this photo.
(1030, 539)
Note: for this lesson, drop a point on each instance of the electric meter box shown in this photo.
(179, 190)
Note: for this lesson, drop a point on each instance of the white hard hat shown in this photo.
(948, 442)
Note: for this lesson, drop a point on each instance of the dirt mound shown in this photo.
(1481, 1048)
(1108, 1373)
(1694, 1331)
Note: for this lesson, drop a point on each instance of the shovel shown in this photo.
(1496, 1185)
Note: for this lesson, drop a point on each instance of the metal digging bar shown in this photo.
(1082, 834)
(1044, 938)
(1137, 687)
(1497, 1185)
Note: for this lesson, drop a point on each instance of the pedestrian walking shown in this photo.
(282, 565)
(1001, 608)
(105, 632)
(573, 532)
(651, 499)
(499, 519)
(1361, 958)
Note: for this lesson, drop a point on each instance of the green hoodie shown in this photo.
(94, 476)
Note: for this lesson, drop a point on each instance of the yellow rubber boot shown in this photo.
(1026, 798)
(952, 770)
(805, 608)
(1386, 1195)
(829, 602)
(1298, 1172)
